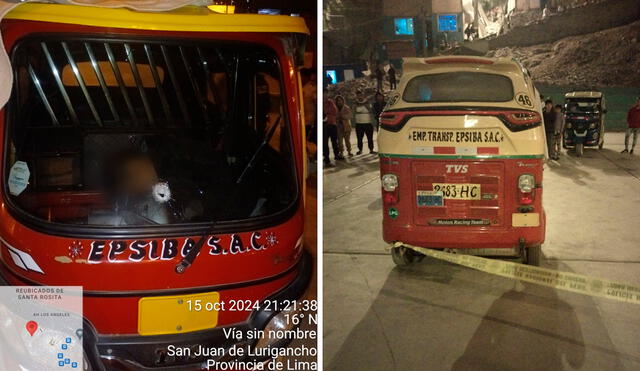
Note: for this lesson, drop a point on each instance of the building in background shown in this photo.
(416, 28)
(381, 31)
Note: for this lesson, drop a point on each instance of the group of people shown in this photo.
(339, 119)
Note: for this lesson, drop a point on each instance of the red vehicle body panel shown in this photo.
(247, 265)
(496, 176)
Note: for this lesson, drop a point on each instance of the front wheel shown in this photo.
(404, 256)
(601, 145)
(579, 149)
(533, 255)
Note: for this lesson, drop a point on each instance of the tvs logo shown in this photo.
(458, 169)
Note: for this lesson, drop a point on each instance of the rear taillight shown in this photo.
(391, 120)
(526, 187)
(389, 189)
(390, 198)
(521, 120)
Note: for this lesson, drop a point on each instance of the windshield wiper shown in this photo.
(258, 151)
(191, 256)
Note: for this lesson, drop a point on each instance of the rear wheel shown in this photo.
(579, 149)
(404, 256)
(533, 255)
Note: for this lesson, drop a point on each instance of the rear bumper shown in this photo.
(464, 237)
(126, 352)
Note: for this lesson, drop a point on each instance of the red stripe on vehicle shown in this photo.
(444, 150)
(488, 150)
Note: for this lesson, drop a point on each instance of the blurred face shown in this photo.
(548, 106)
(340, 101)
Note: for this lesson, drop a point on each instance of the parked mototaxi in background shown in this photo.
(461, 159)
(584, 113)
(155, 158)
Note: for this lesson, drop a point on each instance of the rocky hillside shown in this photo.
(602, 59)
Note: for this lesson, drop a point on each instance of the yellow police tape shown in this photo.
(542, 276)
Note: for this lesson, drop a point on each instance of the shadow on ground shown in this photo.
(476, 322)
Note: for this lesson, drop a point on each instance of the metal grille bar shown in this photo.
(123, 88)
(156, 79)
(103, 85)
(194, 84)
(136, 76)
(112, 83)
(83, 87)
(207, 75)
(176, 85)
(63, 91)
(42, 95)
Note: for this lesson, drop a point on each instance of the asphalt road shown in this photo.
(439, 316)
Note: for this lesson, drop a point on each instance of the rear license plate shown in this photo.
(430, 198)
(525, 220)
(460, 191)
(159, 315)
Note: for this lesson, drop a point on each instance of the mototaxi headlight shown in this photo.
(569, 126)
(280, 322)
(526, 183)
(389, 182)
(592, 125)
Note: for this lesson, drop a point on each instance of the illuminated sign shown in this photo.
(403, 26)
(447, 22)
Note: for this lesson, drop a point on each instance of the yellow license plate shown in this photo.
(458, 191)
(159, 315)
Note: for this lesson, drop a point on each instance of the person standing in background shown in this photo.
(309, 93)
(379, 77)
(557, 131)
(330, 129)
(364, 124)
(549, 116)
(633, 123)
(344, 127)
(378, 106)
(392, 77)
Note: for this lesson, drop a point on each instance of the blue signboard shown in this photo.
(447, 22)
(403, 26)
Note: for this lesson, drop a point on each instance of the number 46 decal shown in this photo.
(524, 100)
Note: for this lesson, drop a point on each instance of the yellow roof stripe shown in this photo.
(190, 18)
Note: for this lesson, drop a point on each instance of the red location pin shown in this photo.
(32, 326)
